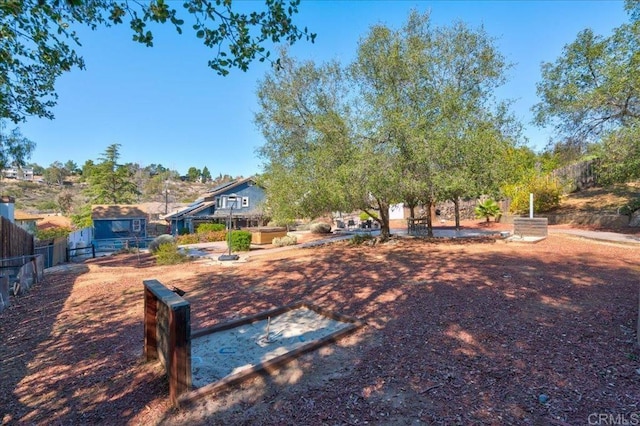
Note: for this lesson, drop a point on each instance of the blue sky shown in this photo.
(165, 106)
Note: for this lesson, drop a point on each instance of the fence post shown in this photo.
(150, 333)
(179, 351)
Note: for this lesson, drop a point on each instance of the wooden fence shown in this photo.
(579, 176)
(54, 251)
(14, 241)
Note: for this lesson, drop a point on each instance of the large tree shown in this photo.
(15, 149)
(306, 139)
(206, 175)
(110, 182)
(37, 39)
(591, 94)
(376, 132)
(430, 96)
(56, 173)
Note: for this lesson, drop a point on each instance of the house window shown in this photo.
(219, 202)
(119, 226)
(136, 225)
(245, 201)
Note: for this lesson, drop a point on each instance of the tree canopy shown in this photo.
(38, 39)
(591, 95)
(412, 119)
(110, 182)
(15, 149)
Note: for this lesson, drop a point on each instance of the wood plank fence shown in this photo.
(54, 251)
(14, 241)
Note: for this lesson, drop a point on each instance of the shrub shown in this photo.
(287, 240)
(546, 194)
(366, 216)
(183, 231)
(487, 209)
(47, 205)
(159, 240)
(360, 239)
(45, 234)
(188, 239)
(240, 241)
(168, 254)
(320, 228)
(284, 223)
(25, 184)
(629, 208)
(302, 226)
(211, 236)
(204, 228)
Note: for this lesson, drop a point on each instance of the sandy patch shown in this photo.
(227, 352)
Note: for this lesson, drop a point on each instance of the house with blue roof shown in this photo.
(240, 201)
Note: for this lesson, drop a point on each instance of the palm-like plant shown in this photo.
(488, 209)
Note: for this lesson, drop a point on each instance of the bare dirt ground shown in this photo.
(601, 200)
(458, 332)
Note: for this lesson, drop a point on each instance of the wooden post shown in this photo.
(167, 335)
(150, 331)
(179, 352)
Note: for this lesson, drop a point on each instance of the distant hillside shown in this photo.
(42, 198)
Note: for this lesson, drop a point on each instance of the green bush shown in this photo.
(366, 216)
(47, 205)
(168, 254)
(204, 228)
(45, 234)
(160, 240)
(546, 192)
(240, 241)
(287, 240)
(487, 209)
(629, 208)
(320, 228)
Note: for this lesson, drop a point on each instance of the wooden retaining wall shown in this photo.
(530, 227)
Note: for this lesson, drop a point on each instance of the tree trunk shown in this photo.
(385, 228)
(456, 209)
(429, 205)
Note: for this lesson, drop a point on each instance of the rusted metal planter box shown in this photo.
(266, 235)
(530, 227)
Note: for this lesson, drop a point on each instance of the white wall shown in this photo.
(396, 211)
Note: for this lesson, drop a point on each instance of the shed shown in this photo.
(118, 221)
